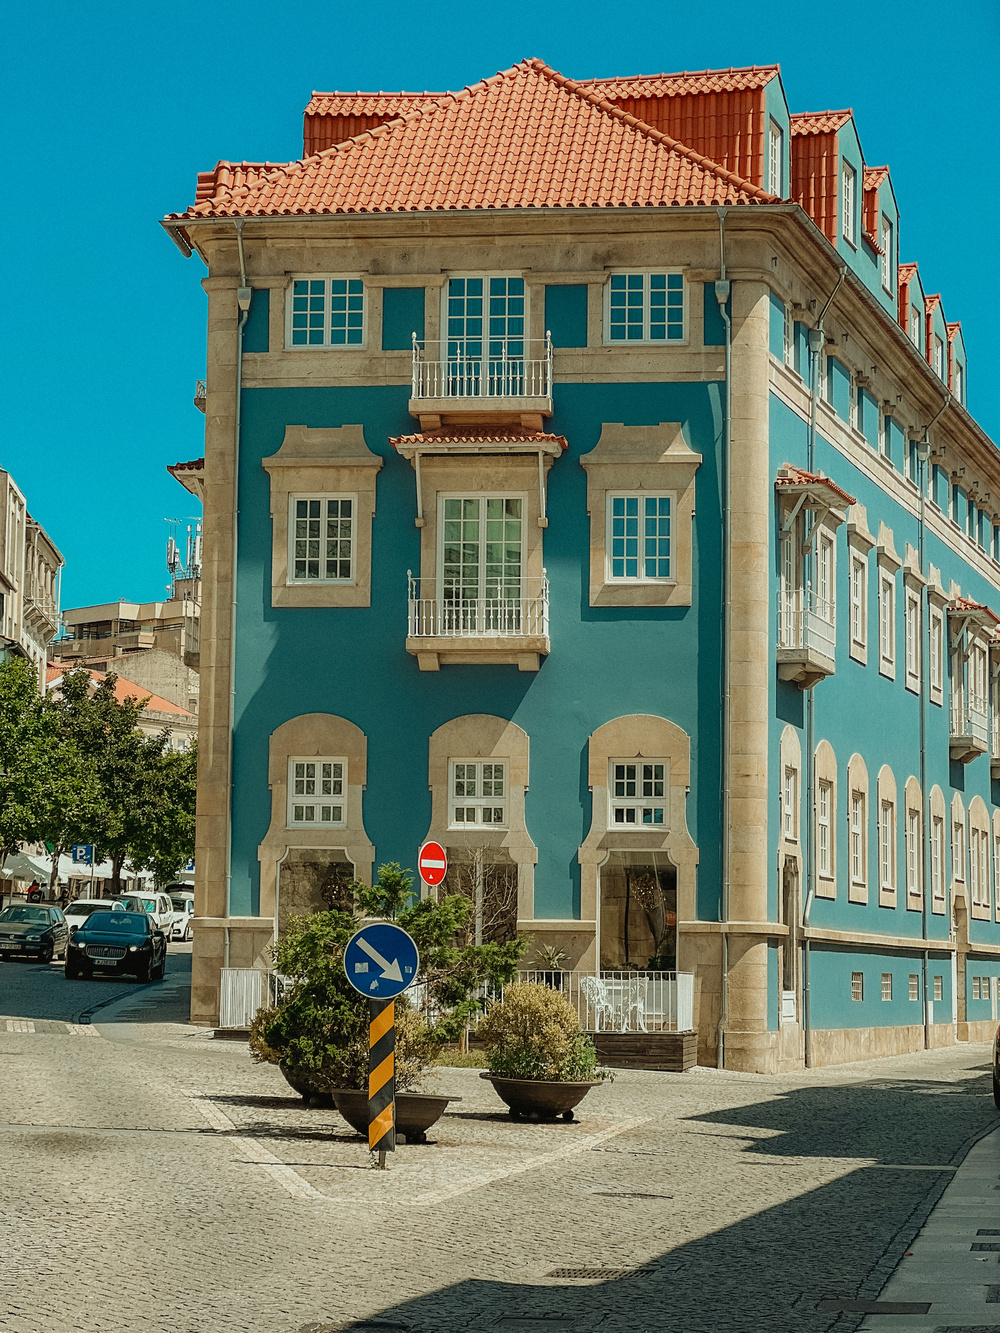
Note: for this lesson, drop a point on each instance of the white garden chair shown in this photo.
(634, 1002)
(598, 1002)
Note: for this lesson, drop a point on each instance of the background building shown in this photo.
(589, 487)
(30, 567)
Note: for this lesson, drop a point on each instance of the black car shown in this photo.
(33, 932)
(122, 942)
(996, 1068)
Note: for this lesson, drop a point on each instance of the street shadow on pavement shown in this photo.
(41, 991)
(764, 1274)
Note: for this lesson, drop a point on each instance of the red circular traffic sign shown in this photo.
(432, 863)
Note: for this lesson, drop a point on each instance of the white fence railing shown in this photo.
(625, 1001)
(244, 990)
(436, 612)
(483, 368)
(806, 621)
(970, 719)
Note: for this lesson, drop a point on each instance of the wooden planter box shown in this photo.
(675, 1052)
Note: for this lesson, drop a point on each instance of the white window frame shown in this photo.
(485, 275)
(826, 574)
(958, 850)
(788, 338)
(912, 837)
(324, 500)
(912, 639)
(641, 497)
(996, 869)
(939, 988)
(936, 655)
(790, 804)
(887, 265)
(939, 365)
(976, 884)
(640, 802)
(915, 326)
(478, 801)
(849, 210)
(937, 858)
(887, 846)
(887, 623)
(886, 985)
(858, 986)
(481, 497)
(334, 800)
(859, 600)
(775, 157)
(858, 834)
(914, 985)
(958, 382)
(328, 296)
(646, 340)
(824, 830)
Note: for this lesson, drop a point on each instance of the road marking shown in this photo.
(20, 1025)
(82, 1030)
(255, 1152)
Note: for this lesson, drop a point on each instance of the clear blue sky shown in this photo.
(112, 109)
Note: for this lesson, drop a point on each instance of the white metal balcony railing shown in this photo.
(437, 611)
(625, 1001)
(806, 621)
(482, 368)
(994, 732)
(970, 720)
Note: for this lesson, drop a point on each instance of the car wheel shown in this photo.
(144, 973)
(189, 934)
(46, 953)
(996, 1090)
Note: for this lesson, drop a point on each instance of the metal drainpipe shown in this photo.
(723, 289)
(244, 296)
(815, 347)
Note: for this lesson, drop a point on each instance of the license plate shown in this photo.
(9, 946)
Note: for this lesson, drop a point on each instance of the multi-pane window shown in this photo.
(316, 791)
(937, 651)
(824, 846)
(939, 988)
(914, 985)
(887, 620)
(638, 793)
(327, 312)
(979, 883)
(978, 676)
(645, 307)
(824, 577)
(478, 794)
(886, 985)
(914, 326)
(788, 339)
(958, 382)
(857, 985)
(486, 310)
(858, 851)
(775, 140)
(887, 846)
(913, 853)
(937, 858)
(849, 219)
(939, 356)
(996, 869)
(638, 540)
(888, 268)
(859, 601)
(912, 628)
(790, 804)
(958, 849)
(480, 563)
(321, 534)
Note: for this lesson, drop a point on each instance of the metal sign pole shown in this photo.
(381, 1078)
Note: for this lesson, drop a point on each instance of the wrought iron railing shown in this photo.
(806, 620)
(482, 368)
(468, 611)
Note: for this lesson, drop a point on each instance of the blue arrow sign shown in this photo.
(381, 961)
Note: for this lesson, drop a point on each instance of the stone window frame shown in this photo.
(481, 737)
(860, 542)
(326, 279)
(887, 799)
(790, 762)
(995, 849)
(979, 823)
(296, 497)
(316, 759)
(958, 820)
(913, 804)
(652, 460)
(314, 735)
(639, 736)
(889, 565)
(857, 783)
(322, 461)
(938, 811)
(825, 771)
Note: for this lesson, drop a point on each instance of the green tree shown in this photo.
(25, 733)
(160, 822)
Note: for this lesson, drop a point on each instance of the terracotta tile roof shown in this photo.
(873, 179)
(124, 689)
(196, 465)
(689, 81)
(526, 138)
(231, 176)
(481, 435)
(797, 476)
(953, 328)
(819, 122)
(962, 604)
(931, 303)
(365, 104)
(906, 273)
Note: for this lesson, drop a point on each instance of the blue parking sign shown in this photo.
(83, 854)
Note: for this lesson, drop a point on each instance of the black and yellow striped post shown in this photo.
(382, 1078)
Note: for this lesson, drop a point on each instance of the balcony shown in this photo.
(486, 379)
(452, 625)
(807, 637)
(970, 729)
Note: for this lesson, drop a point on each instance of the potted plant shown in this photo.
(550, 962)
(317, 1033)
(541, 1063)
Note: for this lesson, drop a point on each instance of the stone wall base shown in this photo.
(835, 1046)
(248, 942)
(983, 1029)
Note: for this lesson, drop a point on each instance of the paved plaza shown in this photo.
(155, 1178)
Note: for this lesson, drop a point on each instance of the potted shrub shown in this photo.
(541, 1062)
(317, 1033)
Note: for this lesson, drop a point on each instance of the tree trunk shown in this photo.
(116, 873)
(54, 874)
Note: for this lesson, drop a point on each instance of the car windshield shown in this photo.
(126, 922)
(180, 904)
(85, 909)
(35, 916)
(140, 904)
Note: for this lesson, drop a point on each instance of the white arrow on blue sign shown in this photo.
(381, 960)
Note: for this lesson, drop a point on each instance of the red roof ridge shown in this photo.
(931, 301)
(819, 122)
(906, 272)
(953, 327)
(194, 465)
(790, 475)
(480, 435)
(291, 170)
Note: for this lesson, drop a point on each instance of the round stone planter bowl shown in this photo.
(415, 1112)
(530, 1098)
(301, 1081)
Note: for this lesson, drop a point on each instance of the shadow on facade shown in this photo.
(768, 1272)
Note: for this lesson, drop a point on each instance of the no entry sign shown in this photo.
(432, 863)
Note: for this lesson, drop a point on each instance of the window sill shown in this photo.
(887, 898)
(826, 887)
(523, 651)
(621, 593)
(858, 893)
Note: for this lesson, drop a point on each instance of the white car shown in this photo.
(156, 903)
(183, 901)
(77, 913)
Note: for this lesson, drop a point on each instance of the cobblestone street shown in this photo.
(156, 1179)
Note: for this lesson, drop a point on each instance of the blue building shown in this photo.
(589, 488)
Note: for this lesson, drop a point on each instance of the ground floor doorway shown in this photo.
(638, 905)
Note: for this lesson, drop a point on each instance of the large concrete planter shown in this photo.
(301, 1080)
(528, 1097)
(415, 1112)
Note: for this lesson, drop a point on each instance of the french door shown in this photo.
(480, 564)
(485, 322)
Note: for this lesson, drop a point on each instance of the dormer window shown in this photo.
(888, 267)
(959, 382)
(914, 327)
(775, 141)
(939, 356)
(849, 219)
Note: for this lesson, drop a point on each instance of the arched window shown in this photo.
(856, 802)
(913, 844)
(957, 845)
(887, 833)
(938, 846)
(980, 886)
(790, 776)
(825, 810)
